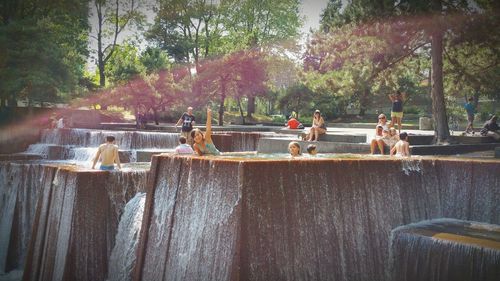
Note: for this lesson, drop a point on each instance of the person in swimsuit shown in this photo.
(397, 109)
(108, 152)
(203, 144)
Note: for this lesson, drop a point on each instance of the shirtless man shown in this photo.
(402, 147)
(108, 152)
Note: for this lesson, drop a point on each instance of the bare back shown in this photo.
(109, 154)
(402, 148)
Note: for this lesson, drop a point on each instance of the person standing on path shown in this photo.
(471, 110)
(397, 100)
(188, 121)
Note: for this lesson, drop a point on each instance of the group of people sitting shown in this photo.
(386, 135)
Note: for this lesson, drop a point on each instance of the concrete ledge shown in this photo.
(338, 137)
(471, 139)
(145, 155)
(451, 149)
(366, 125)
(328, 136)
(20, 156)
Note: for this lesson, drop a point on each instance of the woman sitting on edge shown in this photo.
(203, 144)
(318, 127)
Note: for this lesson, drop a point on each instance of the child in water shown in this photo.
(183, 147)
(311, 149)
(108, 152)
(402, 147)
(294, 148)
(203, 144)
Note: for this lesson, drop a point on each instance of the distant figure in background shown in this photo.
(311, 149)
(397, 100)
(203, 144)
(318, 126)
(60, 123)
(188, 121)
(294, 123)
(140, 118)
(294, 149)
(183, 147)
(108, 152)
(490, 128)
(402, 147)
(471, 110)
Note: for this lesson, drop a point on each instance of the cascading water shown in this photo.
(242, 141)
(20, 187)
(213, 218)
(122, 257)
(445, 250)
(77, 221)
(80, 145)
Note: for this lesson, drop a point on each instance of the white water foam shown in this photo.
(122, 257)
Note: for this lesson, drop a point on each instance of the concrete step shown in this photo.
(328, 136)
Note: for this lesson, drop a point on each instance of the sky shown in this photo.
(311, 10)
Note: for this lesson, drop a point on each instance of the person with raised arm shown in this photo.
(397, 100)
(203, 144)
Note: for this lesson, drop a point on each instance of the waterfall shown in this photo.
(411, 165)
(307, 219)
(20, 189)
(445, 250)
(122, 257)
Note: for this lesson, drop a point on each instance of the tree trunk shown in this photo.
(363, 101)
(241, 111)
(221, 110)
(221, 105)
(155, 116)
(441, 129)
(251, 106)
(102, 76)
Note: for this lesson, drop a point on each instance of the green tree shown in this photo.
(113, 17)
(143, 83)
(259, 23)
(154, 59)
(434, 23)
(43, 47)
(185, 29)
